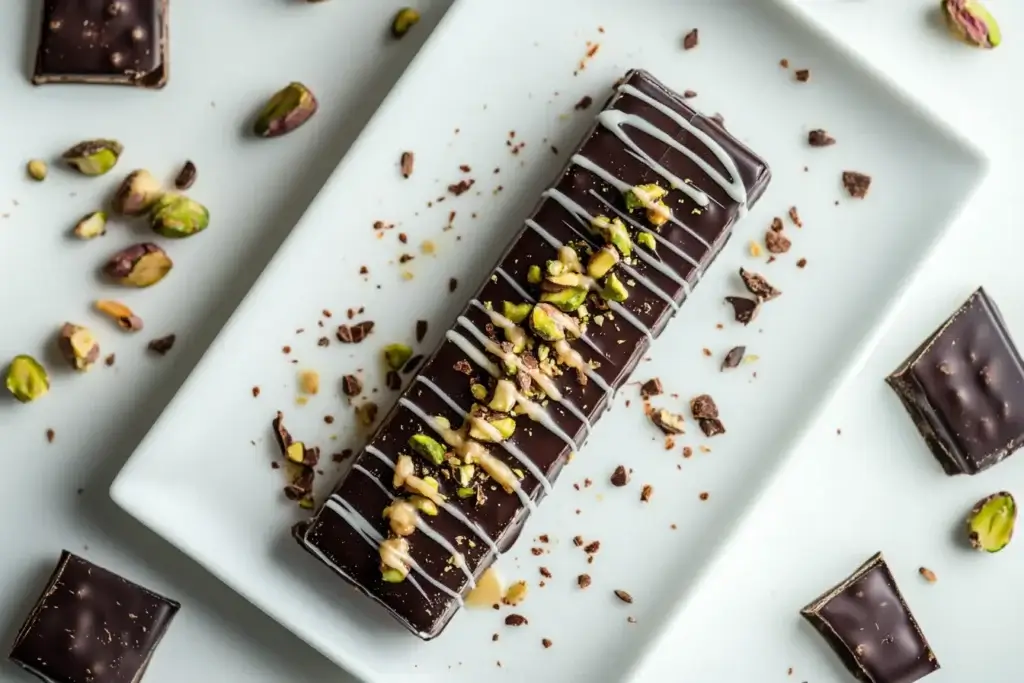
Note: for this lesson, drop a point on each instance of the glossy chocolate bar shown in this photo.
(869, 626)
(603, 262)
(964, 389)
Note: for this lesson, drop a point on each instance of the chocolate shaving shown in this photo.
(703, 407)
(651, 387)
(857, 184)
(354, 334)
(733, 358)
(393, 380)
(461, 186)
(351, 385)
(776, 242)
(668, 422)
(624, 596)
(162, 345)
(758, 285)
(421, 330)
(412, 364)
(711, 427)
(584, 103)
(803, 75)
(820, 138)
(690, 40)
(743, 309)
(620, 477)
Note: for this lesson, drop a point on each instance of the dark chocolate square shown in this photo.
(119, 42)
(868, 624)
(964, 389)
(91, 625)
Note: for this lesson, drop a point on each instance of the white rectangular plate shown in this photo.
(202, 477)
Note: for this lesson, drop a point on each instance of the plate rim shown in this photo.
(120, 490)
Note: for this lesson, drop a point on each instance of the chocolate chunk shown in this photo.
(743, 309)
(690, 40)
(163, 345)
(186, 177)
(758, 285)
(393, 380)
(670, 423)
(117, 42)
(703, 407)
(91, 625)
(857, 184)
(803, 75)
(584, 103)
(353, 334)
(734, 357)
(964, 389)
(651, 387)
(421, 330)
(351, 385)
(711, 427)
(620, 477)
(516, 620)
(776, 242)
(866, 621)
(820, 138)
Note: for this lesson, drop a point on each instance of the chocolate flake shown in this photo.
(776, 242)
(690, 40)
(620, 477)
(743, 309)
(733, 358)
(583, 580)
(820, 138)
(351, 385)
(758, 286)
(421, 330)
(711, 427)
(516, 620)
(461, 186)
(354, 334)
(803, 75)
(857, 184)
(703, 407)
(651, 387)
(624, 596)
(584, 103)
(162, 345)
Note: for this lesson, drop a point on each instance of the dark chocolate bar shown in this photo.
(964, 389)
(868, 624)
(603, 262)
(119, 42)
(91, 626)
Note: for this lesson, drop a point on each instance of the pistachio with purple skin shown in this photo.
(78, 346)
(140, 265)
(291, 107)
(93, 157)
(138, 193)
(969, 21)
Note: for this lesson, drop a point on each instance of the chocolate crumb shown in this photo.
(494, 638)
(421, 330)
(363, 270)
(544, 538)
(545, 572)
(776, 224)
(354, 334)
(584, 103)
(733, 358)
(255, 392)
(406, 164)
(403, 238)
(711, 427)
(666, 421)
(928, 575)
(515, 620)
(690, 40)
(820, 138)
(857, 184)
(343, 456)
(351, 385)
(461, 187)
(706, 351)
(465, 168)
(631, 620)
(286, 350)
(537, 551)
(704, 495)
(405, 258)
(776, 242)
(744, 309)
(583, 580)
(646, 492)
(687, 452)
(689, 94)
(588, 482)
(163, 345)
(452, 284)
(651, 387)
(186, 176)
(110, 360)
(803, 75)
(703, 407)
(546, 642)
(789, 671)
(758, 286)
(275, 465)
(794, 216)
(323, 341)
(624, 596)
(50, 435)
(393, 380)
(592, 547)
(329, 419)
(620, 477)
(577, 541)
(802, 263)
(784, 63)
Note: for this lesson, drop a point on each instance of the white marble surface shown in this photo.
(832, 507)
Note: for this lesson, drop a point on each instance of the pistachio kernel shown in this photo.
(567, 300)
(93, 157)
(991, 521)
(121, 314)
(27, 379)
(78, 346)
(404, 20)
(177, 216)
(646, 239)
(614, 290)
(141, 265)
(515, 312)
(479, 391)
(504, 398)
(427, 447)
(37, 169)
(602, 261)
(137, 194)
(288, 109)
(969, 21)
(545, 323)
(91, 225)
(397, 355)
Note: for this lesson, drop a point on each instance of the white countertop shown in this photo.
(829, 510)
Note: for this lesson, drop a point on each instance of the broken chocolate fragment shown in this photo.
(353, 334)
(703, 407)
(758, 285)
(421, 330)
(776, 242)
(351, 385)
(620, 477)
(393, 380)
(733, 358)
(668, 422)
(820, 138)
(162, 345)
(711, 427)
(803, 75)
(743, 309)
(584, 103)
(857, 184)
(691, 39)
(651, 387)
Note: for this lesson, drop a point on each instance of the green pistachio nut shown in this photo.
(969, 21)
(506, 426)
(404, 20)
(78, 346)
(567, 300)
(614, 290)
(479, 432)
(177, 216)
(27, 379)
(442, 422)
(544, 321)
(397, 355)
(515, 312)
(466, 473)
(534, 275)
(554, 267)
(601, 261)
(510, 368)
(479, 391)
(296, 452)
(37, 169)
(427, 447)
(614, 232)
(563, 280)
(92, 225)
(93, 157)
(504, 396)
(990, 523)
(424, 505)
(140, 265)
(646, 239)
(288, 109)
(392, 575)
(651, 192)
(465, 492)
(137, 194)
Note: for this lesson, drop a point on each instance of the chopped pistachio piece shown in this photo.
(567, 300)
(545, 325)
(27, 379)
(93, 157)
(504, 396)
(466, 473)
(646, 239)
(397, 355)
(424, 505)
(392, 575)
(990, 524)
(614, 290)
(465, 492)
(479, 391)
(515, 312)
(427, 447)
(602, 261)
(92, 225)
(614, 232)
(506, 426)
(534, 275)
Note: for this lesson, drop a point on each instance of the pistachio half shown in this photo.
(991, 521)
(429, 448)
(969, 21)
(177, 216)
(137, 193)
(93, 157)
(140, 265)
(288, 109)
(78, 346)
(91, 225)
(27, 379)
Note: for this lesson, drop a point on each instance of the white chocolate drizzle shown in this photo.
(657, 237)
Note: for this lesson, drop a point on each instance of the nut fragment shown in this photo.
(776, 242)
(969, 21)
(991, 521)
(37, 169)
(624, 596)
(137, 194)
(404, 20)
(78, 346)
(758, 286)
(651, 387)
(91, 225)
(163, 345)
(177, 216)
(515, 594)
(733, 358)
(93, 157)
(820, 138)
(288, 109)
(668, 422)
(141, 265)
(186, 177)
(396, 355)
(406, 164)
(857, 184)
(27, 379)
(309, 382)
(125, 318)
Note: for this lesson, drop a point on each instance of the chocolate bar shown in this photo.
(119, 42)
(91, 626)
(869, 626)
(479, 438)
(964, 389)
